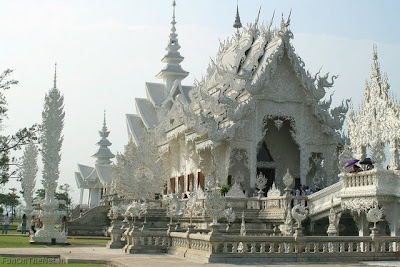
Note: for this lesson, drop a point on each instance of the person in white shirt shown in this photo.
(6, 223)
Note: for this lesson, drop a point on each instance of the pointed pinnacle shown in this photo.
(173, 13)
(55, 75)
(258, 16)
(237, 23)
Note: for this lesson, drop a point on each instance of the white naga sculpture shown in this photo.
(299, 214)
(28, 176)
(53, 122)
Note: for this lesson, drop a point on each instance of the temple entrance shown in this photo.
(278, 152)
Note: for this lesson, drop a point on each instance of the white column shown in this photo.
(89, 194)
(363, 225)
(81, 197)
(394, 224)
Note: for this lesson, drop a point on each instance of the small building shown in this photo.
(96, 179)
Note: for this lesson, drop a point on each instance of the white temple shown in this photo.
(258, 120)
(96, 179)
(256, 110)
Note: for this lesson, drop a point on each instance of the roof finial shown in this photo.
(173, 70)
(288, 20)
(376, 72)
(104, 122)
(173, 14)
(374, 52)
(258, 16)
(237, 23)
(55, 75)
(272, 19)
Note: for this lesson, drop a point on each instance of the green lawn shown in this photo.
(15, 242)
(87, 241)
(23, 242)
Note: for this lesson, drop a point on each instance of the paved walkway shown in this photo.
(94, 254)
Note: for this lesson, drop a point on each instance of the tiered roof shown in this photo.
(243, 66)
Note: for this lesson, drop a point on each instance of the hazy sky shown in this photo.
(107, 50)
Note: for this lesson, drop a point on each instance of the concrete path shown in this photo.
(115, 257)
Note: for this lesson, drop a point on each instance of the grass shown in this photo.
(23, 242)
(87, 241)
(16, 242)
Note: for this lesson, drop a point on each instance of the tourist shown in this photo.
(308, 191)
(355, 169)
(37, 223)
(33, 223)
(367, 162)
(6, 223)
(23, 227)
(298, 192)
(64, 224)
(80, 213)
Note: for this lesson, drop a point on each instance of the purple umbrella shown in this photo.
(351, 162)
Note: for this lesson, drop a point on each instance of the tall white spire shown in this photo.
(104, 154)
(173, 70)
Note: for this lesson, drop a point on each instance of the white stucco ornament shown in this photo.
(273, 191)
(287, 179)
(235, 191)
(261, 182)
(377, 121)
(374, 215)
(214, 205)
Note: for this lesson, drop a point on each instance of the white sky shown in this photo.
(107, 50)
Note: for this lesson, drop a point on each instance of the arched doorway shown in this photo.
(278, 151)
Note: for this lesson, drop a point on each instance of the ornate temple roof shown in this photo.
(378, 118)
(243, 66)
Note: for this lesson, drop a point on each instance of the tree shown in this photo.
(28, 173)
(63, 194)
(9, 143)
(10, 201)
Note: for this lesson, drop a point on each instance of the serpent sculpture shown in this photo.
(299, 213)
